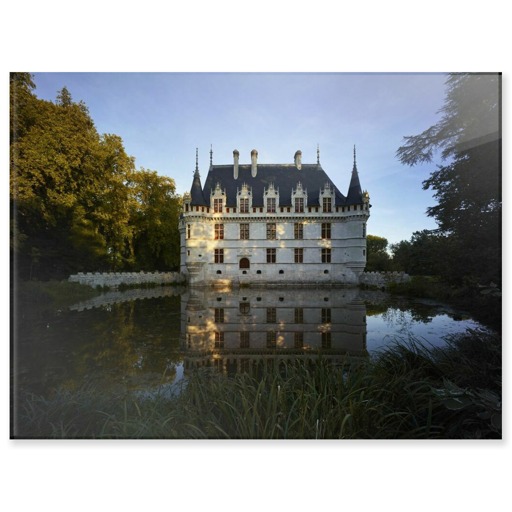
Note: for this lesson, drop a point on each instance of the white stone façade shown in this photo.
(263, 224)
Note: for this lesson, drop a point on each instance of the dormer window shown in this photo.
(271, 199)
(244, 199)
(218, 199)
(299, 198)
(327, 198)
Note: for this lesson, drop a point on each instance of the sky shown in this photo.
(163, 117)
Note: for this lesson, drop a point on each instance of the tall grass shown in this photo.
(408, 391)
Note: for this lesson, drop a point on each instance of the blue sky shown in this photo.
(163, 117)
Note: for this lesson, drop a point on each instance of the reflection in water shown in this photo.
(233, 330)
(118, 342)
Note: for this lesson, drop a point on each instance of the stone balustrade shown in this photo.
(383, 279)
(116, 279)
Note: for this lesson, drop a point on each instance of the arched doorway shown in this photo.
(245, 263)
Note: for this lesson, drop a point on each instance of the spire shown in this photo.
(196, 191)
(355, 192)
(211, 155)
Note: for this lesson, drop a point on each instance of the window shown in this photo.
(219, 231)
(188, 230)
(244, 231)
(326, 255)
(245, 308)
(299, 339)
(299, 255)
(219, 315)
(244, 339)
(219, 255)
(298, 231)
(219, 339)
(271, 231)
(217, 205)
(364, 229)
(299, 204)
(271, 315)
(326, 230)
(244, 205)
(326, 340)
(271, 205)
(299, 315)
(271, 255)
(327, 204)
(326, 315)
(271, 339)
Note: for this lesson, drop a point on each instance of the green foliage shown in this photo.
(77, 201)
(377, 258)
(155, 215)
(468, 187)
(425, 254)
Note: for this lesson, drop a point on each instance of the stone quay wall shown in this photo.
(116, 279)
(383, 279)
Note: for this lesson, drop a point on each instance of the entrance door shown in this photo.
(244, 263)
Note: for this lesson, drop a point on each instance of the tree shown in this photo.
(155, 217)
(77, 201)
(377, 258)
(424, 254)
(467, 186)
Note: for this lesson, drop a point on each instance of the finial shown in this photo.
(318, 154)
(355, 166)
(211, 155)
(197, 161)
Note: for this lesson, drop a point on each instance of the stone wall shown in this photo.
(383, 279)
(115, 279)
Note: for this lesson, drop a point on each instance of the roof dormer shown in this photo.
(299, 198)
(218, 199)
(271, 198)
(326, 198)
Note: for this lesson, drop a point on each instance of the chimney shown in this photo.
(298, 159)
(236, 154)
(254, 163)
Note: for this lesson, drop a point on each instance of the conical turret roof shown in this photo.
(355, 193)
(196, 191)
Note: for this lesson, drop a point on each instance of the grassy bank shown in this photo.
(406, 392)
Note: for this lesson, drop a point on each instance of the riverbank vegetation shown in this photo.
(408, 391)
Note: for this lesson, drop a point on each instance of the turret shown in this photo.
(355, 193)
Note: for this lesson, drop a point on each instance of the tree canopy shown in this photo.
(467, 186)
(377, 258)
(78, 202)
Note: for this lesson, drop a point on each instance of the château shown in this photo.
(261, 224)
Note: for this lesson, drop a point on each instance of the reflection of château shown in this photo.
(233, 329)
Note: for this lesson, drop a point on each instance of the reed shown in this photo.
(408, 391)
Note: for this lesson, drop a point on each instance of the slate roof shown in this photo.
(196, 192)
(285, 177)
